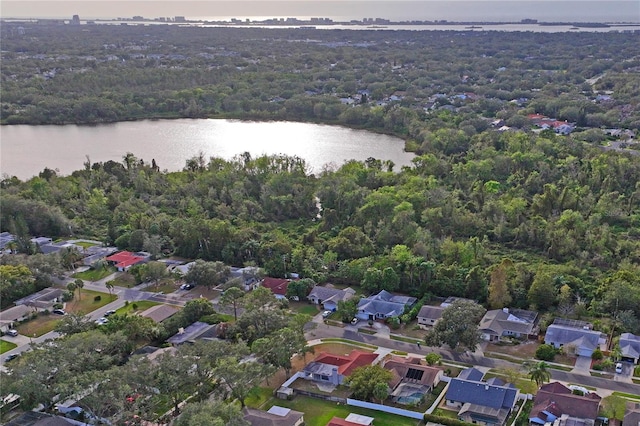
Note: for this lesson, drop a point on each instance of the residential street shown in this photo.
(325, 331)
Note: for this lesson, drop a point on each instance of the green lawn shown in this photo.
(258, 397)
(141, 305)
(38, 326)
(85, 244)
(318, 412)
(85, 302)
(446, 413)
(94, 274)
(348, 342)
(6, 346)
(304, 308)
(525, 385)
(124, 279)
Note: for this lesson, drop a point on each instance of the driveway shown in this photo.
(582, 365)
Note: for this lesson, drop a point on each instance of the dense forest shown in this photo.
(514, 218)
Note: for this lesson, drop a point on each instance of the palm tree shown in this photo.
(79, 285)
(539, 373)
(109, 286)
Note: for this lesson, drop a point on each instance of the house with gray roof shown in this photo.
(383, 305)
(630, 347)
(429, 315)
(275, 416)
(578, 337)
(483, 402)
(196, 331)
(632, 414)
(329, 297)
(500, 323)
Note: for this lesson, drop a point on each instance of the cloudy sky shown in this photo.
(495, 10)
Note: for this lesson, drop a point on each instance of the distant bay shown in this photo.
(26, 150)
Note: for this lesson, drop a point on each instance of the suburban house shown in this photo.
(428, 315)
(96, 253)
(275, 416)
(632, 414)
(557, 404)
(250, 276)
(183, 269)
(5, 239)
(9, 317)
(351, 420)
(576, 335)
(630, 347)
(196, 331)
(411, 379)
(159, 313)
(500, 323)
(383, 305)
(329, 297)
(278, 286)
(449, 301)
(43, 299)
(125, 259)
(486, 403)
(333, 369)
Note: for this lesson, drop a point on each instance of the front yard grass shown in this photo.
(318, 412)
(304, 308)
(38, 326)
(85, 302)
(347, 342)
(95, 274)
(6, 346)
(123, 279)
(141, 305)
(525, 385)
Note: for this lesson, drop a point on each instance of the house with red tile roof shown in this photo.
(278, 286)
(556, 402)
(124, 260)
(333, 369)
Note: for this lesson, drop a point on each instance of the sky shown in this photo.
(461, 10)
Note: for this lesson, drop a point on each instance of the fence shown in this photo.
(320, 396)
(386, 409)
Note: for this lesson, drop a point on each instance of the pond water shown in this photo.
(26, 150)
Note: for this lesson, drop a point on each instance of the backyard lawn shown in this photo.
(6, 346)
(304, 308)
(86, 302)
(318, 412)
(94, 274)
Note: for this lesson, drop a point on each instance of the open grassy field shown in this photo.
(6, 346)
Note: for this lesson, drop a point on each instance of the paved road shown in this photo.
(323, 331)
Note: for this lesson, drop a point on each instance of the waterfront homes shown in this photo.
(576, 336)
(484, 402)
(503, 322)
(557, 404)
(383, 305)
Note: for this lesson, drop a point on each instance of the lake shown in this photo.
(26, 150)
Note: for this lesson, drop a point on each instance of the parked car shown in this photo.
(102, 321)
(186, 286)
(11, 357)
(325, 314)
(619, 368)
(59, 312)
(109, 313)
(354, 321)
(12, 333)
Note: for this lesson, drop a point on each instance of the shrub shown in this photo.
(394, 322)
(597, 367)
(97, 298)
(433, 358)
(597, 355)
(134, 306)
(546, 352)
(57, 306)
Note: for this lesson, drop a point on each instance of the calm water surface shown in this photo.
(27, 150)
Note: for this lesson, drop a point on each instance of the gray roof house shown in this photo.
(383, 305)
(632, 414)
(630, 347)
(428, 315)
(577, 336)
(276, 416)
(196, 331)
(499, 323)
(488, 403)
(329, 297)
